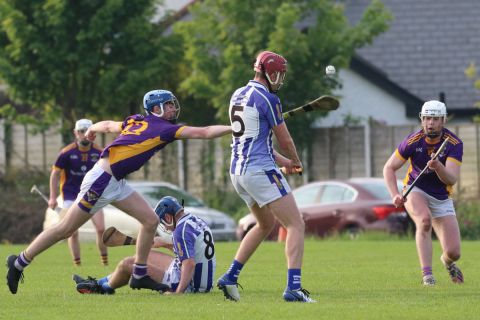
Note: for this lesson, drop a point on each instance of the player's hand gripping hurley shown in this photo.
(435, 155)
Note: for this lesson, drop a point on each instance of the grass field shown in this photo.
(359, 279)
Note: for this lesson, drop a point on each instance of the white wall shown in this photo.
(362, 99)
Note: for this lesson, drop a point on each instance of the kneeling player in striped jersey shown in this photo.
(191, 270)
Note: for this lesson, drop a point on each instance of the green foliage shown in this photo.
(472, 74)
(22, 212)
(83, 58)
(223, 38)
(468, 215)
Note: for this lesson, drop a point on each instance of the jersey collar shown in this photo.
(258, 85)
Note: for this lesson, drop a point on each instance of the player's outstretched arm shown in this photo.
(106, 126)
(208, 132)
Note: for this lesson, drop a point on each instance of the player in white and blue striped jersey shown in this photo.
(192, 269)
(256, 115)
(193, 245)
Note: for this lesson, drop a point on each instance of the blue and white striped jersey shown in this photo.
(192, 238)
(253, 111)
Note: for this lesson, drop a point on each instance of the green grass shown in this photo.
(359, 279)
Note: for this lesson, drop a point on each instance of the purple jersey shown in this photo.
(416, 149)
(192, 238)
(254, 111)
(75, 161)
(141, 137)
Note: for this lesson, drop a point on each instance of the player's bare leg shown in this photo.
(74, 218)
(265, 223)
(417, 207)
(137, 207)
(158, 263)
(286, 211)
(74, 244)
(448, 234)
(253, 238)
(98, 221)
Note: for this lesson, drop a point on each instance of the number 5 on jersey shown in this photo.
(236, 118)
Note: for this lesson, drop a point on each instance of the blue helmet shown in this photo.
(168, 205)
(159, 98)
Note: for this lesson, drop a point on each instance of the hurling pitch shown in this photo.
(350, 279)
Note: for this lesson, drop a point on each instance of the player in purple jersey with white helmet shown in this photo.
(256, 115)
(429, 203)
(140, 137)
(192, 268)
(73, 162)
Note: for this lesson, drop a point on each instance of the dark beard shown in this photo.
(433, 135)
(85, 143)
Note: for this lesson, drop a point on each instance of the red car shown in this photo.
(336, 206)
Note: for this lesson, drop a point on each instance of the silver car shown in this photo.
(222, 226)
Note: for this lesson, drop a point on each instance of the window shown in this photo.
(307, 196)
(335, 193)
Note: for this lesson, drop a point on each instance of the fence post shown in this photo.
(368, 149)
(477, 158)
(347, 142)
(181, 164)
(25, 146)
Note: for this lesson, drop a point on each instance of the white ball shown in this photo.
(330, 70)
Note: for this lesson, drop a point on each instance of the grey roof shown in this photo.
(428, 47)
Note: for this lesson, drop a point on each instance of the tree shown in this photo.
(82, 58)
(223, 38)
(472, 73)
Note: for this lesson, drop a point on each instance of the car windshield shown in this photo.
(154, 193)
(379, 190)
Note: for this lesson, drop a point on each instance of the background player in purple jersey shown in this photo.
(429, 203)
(190, 271)
(73, 162)
(140, 137)
(255, 115)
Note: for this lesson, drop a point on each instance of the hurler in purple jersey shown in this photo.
(429, 203)
(140, 137)
(71, 166)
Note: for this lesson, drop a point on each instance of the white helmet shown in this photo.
(83, 124)
(433, 108)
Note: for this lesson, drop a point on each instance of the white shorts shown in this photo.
(439, 208)
(261, 187)
(99, 188)
(67, 204)
(172, 276)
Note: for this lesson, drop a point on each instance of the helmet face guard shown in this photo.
(273, 67)
(168, 206)
(433, 109)
(160, 98)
